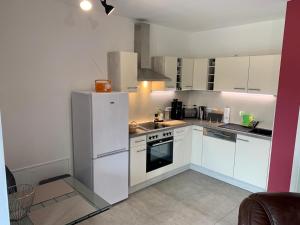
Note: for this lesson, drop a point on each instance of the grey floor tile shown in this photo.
(189, 198)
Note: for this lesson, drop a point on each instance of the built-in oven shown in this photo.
(159, 150)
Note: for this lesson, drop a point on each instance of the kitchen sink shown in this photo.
(261, 131)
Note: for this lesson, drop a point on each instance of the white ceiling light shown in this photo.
(86, 5)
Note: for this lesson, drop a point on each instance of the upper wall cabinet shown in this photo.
(187, 71)
(168, 66)
(122, 71)
(264, 74)
(231, 74)
(200, 74)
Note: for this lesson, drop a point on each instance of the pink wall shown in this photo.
(288, 102)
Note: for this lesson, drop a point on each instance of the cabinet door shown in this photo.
(178, 152)
(252, 160)
(218, 155)
(231, 74)
(197, 140)
(170, 70)
(187, 73)
(200, 74)
(264, 74)
(137, 165)
(129, 71)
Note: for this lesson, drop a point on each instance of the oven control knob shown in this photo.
(156, 136)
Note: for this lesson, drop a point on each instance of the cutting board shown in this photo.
(173, 123)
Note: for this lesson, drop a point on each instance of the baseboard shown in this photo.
(158, 179)
(226, 179)
(34, 173)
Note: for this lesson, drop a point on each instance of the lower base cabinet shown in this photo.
(138, 156)
(247, 160)
(218, 155)
(197, 141)
(252, 160)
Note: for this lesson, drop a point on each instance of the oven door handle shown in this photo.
(162, 143)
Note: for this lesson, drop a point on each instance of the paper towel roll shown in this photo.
(226, 118)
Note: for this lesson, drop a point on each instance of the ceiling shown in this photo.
(197, 15)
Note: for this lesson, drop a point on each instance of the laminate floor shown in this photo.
(189, 198)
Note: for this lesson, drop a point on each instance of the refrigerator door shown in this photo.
(111, 177)
(110, 123)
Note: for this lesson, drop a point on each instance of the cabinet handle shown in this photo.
(242, 140)
(139, 141)
(131, 88)
(254, 89)
(141, 150)
(238, 88)
(188, 86)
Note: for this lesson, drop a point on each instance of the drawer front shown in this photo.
(138, 141)
(180, 131)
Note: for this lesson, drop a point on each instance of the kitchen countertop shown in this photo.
(205, 124)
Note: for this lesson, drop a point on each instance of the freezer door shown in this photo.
(111, 177)
(110, 123)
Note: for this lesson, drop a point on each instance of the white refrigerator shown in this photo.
(100, 143)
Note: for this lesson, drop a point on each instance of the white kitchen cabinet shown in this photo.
(218, 155)
(264, 74)
(182, 147)
(197, 141)
(200, 74)
(231, 74)
(252, 160)
(138, 154)
(167, 66)
(187, 73)
(122, 71)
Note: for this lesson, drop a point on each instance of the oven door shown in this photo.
(159, 154)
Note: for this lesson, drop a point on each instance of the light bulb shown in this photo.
(86, 5)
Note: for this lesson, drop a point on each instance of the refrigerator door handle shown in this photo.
(112, 153)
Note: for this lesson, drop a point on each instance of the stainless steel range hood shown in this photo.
(142, 47)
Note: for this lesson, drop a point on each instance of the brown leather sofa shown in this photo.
(270, 209)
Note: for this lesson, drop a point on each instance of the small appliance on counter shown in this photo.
(190, 112)
(214, 115)
(202, 115)
(103, 86)
(177, 110)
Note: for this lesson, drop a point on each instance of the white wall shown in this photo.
(49, 48)
(4, 215)
(168, 42)
(251, 39)
(295, 177)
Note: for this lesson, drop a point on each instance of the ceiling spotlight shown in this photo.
(86, 5)
(108, 8)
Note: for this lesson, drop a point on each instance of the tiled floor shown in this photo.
(189, 198)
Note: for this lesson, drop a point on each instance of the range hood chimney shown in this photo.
(142, 47)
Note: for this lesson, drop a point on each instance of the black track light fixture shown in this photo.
(108, 8)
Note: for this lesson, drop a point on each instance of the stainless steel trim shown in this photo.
(228, 136)
(112, 153)
(239, 88)
(143, 150)
(162, 143)
(242, 140)
(254, 89)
